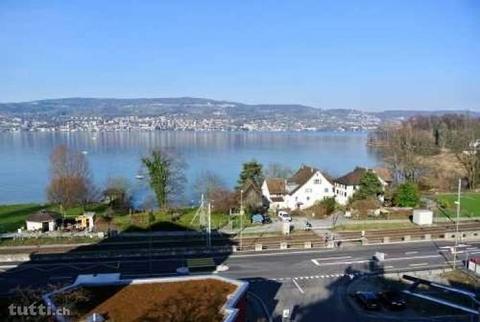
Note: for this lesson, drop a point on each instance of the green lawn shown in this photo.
(182, 220)
(469, 204)
(13, 217)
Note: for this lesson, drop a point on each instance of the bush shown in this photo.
(365, 206)
(406, 195)
(320, 208)
(328, 204)
(444, 203)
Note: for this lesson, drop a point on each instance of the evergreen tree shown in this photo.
(370, 186)
(251, 170)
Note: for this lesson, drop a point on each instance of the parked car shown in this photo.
(284, 216)
(369, 300)
(392, 300)
(257, 219)
(260, 219)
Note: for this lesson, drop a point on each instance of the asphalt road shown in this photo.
(309, 283)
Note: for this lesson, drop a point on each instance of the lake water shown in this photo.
(24, 156)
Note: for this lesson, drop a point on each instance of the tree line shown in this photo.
(71, 181)
(451, 140)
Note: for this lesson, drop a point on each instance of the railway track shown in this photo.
(248, 243)
(437, 231)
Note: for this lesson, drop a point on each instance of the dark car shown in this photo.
(392, 300)
(368, 300)
(267, 220)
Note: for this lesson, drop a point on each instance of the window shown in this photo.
(326, 189)
(308, 198)
(308, 190)
(317, 181)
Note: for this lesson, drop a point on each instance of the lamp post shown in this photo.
(209, 227)
(456, 223)
(241, 219)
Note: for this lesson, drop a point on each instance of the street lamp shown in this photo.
(209, 227)
(241, 219)
(456, 223)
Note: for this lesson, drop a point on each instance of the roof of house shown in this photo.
(250, 185)
(352, 178)
(303, 175)
(276, 186)
(43, 215)
(383, 173)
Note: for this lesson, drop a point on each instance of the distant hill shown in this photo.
(186, 106)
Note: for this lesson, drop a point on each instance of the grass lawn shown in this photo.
(182, 220)
(469, 204)
(373, 226)
(13, 217)
(47, 241)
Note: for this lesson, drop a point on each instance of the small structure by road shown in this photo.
(43, 221)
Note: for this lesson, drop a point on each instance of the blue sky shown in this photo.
(371, 55)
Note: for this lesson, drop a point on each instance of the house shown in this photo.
(43, 220)
(86, 221)
(307, 186)
(346, 186)
(251, 196)
(274, 190)
(384, 175)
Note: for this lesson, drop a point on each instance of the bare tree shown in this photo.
(70, 178)
(466, 146)
(166, 174)
(401, 148)
(207, 182)
(277, 170)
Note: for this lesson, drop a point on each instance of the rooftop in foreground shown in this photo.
(207, 298)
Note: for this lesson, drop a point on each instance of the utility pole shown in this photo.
(209, 227)
(241, 219)
(456, 224)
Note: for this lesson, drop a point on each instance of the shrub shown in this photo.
(406, 195)
(365, 206)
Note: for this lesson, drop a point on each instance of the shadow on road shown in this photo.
(133, 253)
(341, 305)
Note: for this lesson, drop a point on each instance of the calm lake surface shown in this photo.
(24, 156)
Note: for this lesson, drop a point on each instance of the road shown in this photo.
(309, 282)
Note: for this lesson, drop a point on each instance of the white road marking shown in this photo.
(411, 253)
(418, 264)
(298, 286)
(332, 258)
(385, 260)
